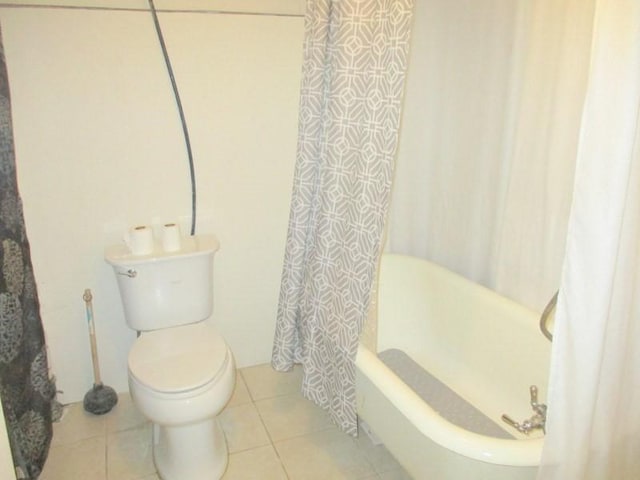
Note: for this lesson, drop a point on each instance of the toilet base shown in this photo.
(197, 451)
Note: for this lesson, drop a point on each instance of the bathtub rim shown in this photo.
(517, 453)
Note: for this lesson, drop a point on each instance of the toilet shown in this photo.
(181, 371)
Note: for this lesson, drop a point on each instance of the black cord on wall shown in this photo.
(185, 131)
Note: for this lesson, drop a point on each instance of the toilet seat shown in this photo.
(179, 359)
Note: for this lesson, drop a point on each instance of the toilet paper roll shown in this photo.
(171, 237)
(140, 240)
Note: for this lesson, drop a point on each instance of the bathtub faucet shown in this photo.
(538, 419)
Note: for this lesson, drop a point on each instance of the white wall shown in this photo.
(99, 148)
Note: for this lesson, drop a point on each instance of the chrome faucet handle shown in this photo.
(538, 420)
(507, 419)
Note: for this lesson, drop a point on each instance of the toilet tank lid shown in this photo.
(191, 246)
(178, 359)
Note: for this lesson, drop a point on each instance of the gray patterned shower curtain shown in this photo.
(355, 57)
(26, 390)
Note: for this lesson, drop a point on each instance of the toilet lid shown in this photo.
(178, 359)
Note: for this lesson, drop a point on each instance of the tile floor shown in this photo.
(273, 433)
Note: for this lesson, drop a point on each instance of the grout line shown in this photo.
(271, 442)
(106, 456)
(264, 426)
(246, 385)
(287, 474)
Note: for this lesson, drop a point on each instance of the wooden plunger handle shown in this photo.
(87, 297)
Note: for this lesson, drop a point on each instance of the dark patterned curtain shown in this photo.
(355, 58)
(25, 387)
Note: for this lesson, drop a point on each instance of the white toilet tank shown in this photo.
(163, 290)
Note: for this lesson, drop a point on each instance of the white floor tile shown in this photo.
(326, 455)
(82, 460)
(124, 415)
(273, 433)
(291, 416)
(129, 454)
(259, 463)
(240, 393)
(76, 425)
(243, 428)
(264, 382)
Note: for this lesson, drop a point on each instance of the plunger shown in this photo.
(100, 399)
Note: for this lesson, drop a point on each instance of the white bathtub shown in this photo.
(483, 346)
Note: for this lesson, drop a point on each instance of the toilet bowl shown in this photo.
(180, 379)
(181, 372)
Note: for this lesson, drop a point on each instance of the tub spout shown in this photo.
(537, 421)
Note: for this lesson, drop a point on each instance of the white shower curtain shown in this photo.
(484, 175)
(495, 126)
(593, 429)
(355, 57)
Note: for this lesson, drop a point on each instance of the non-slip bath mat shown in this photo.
(440, 397)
